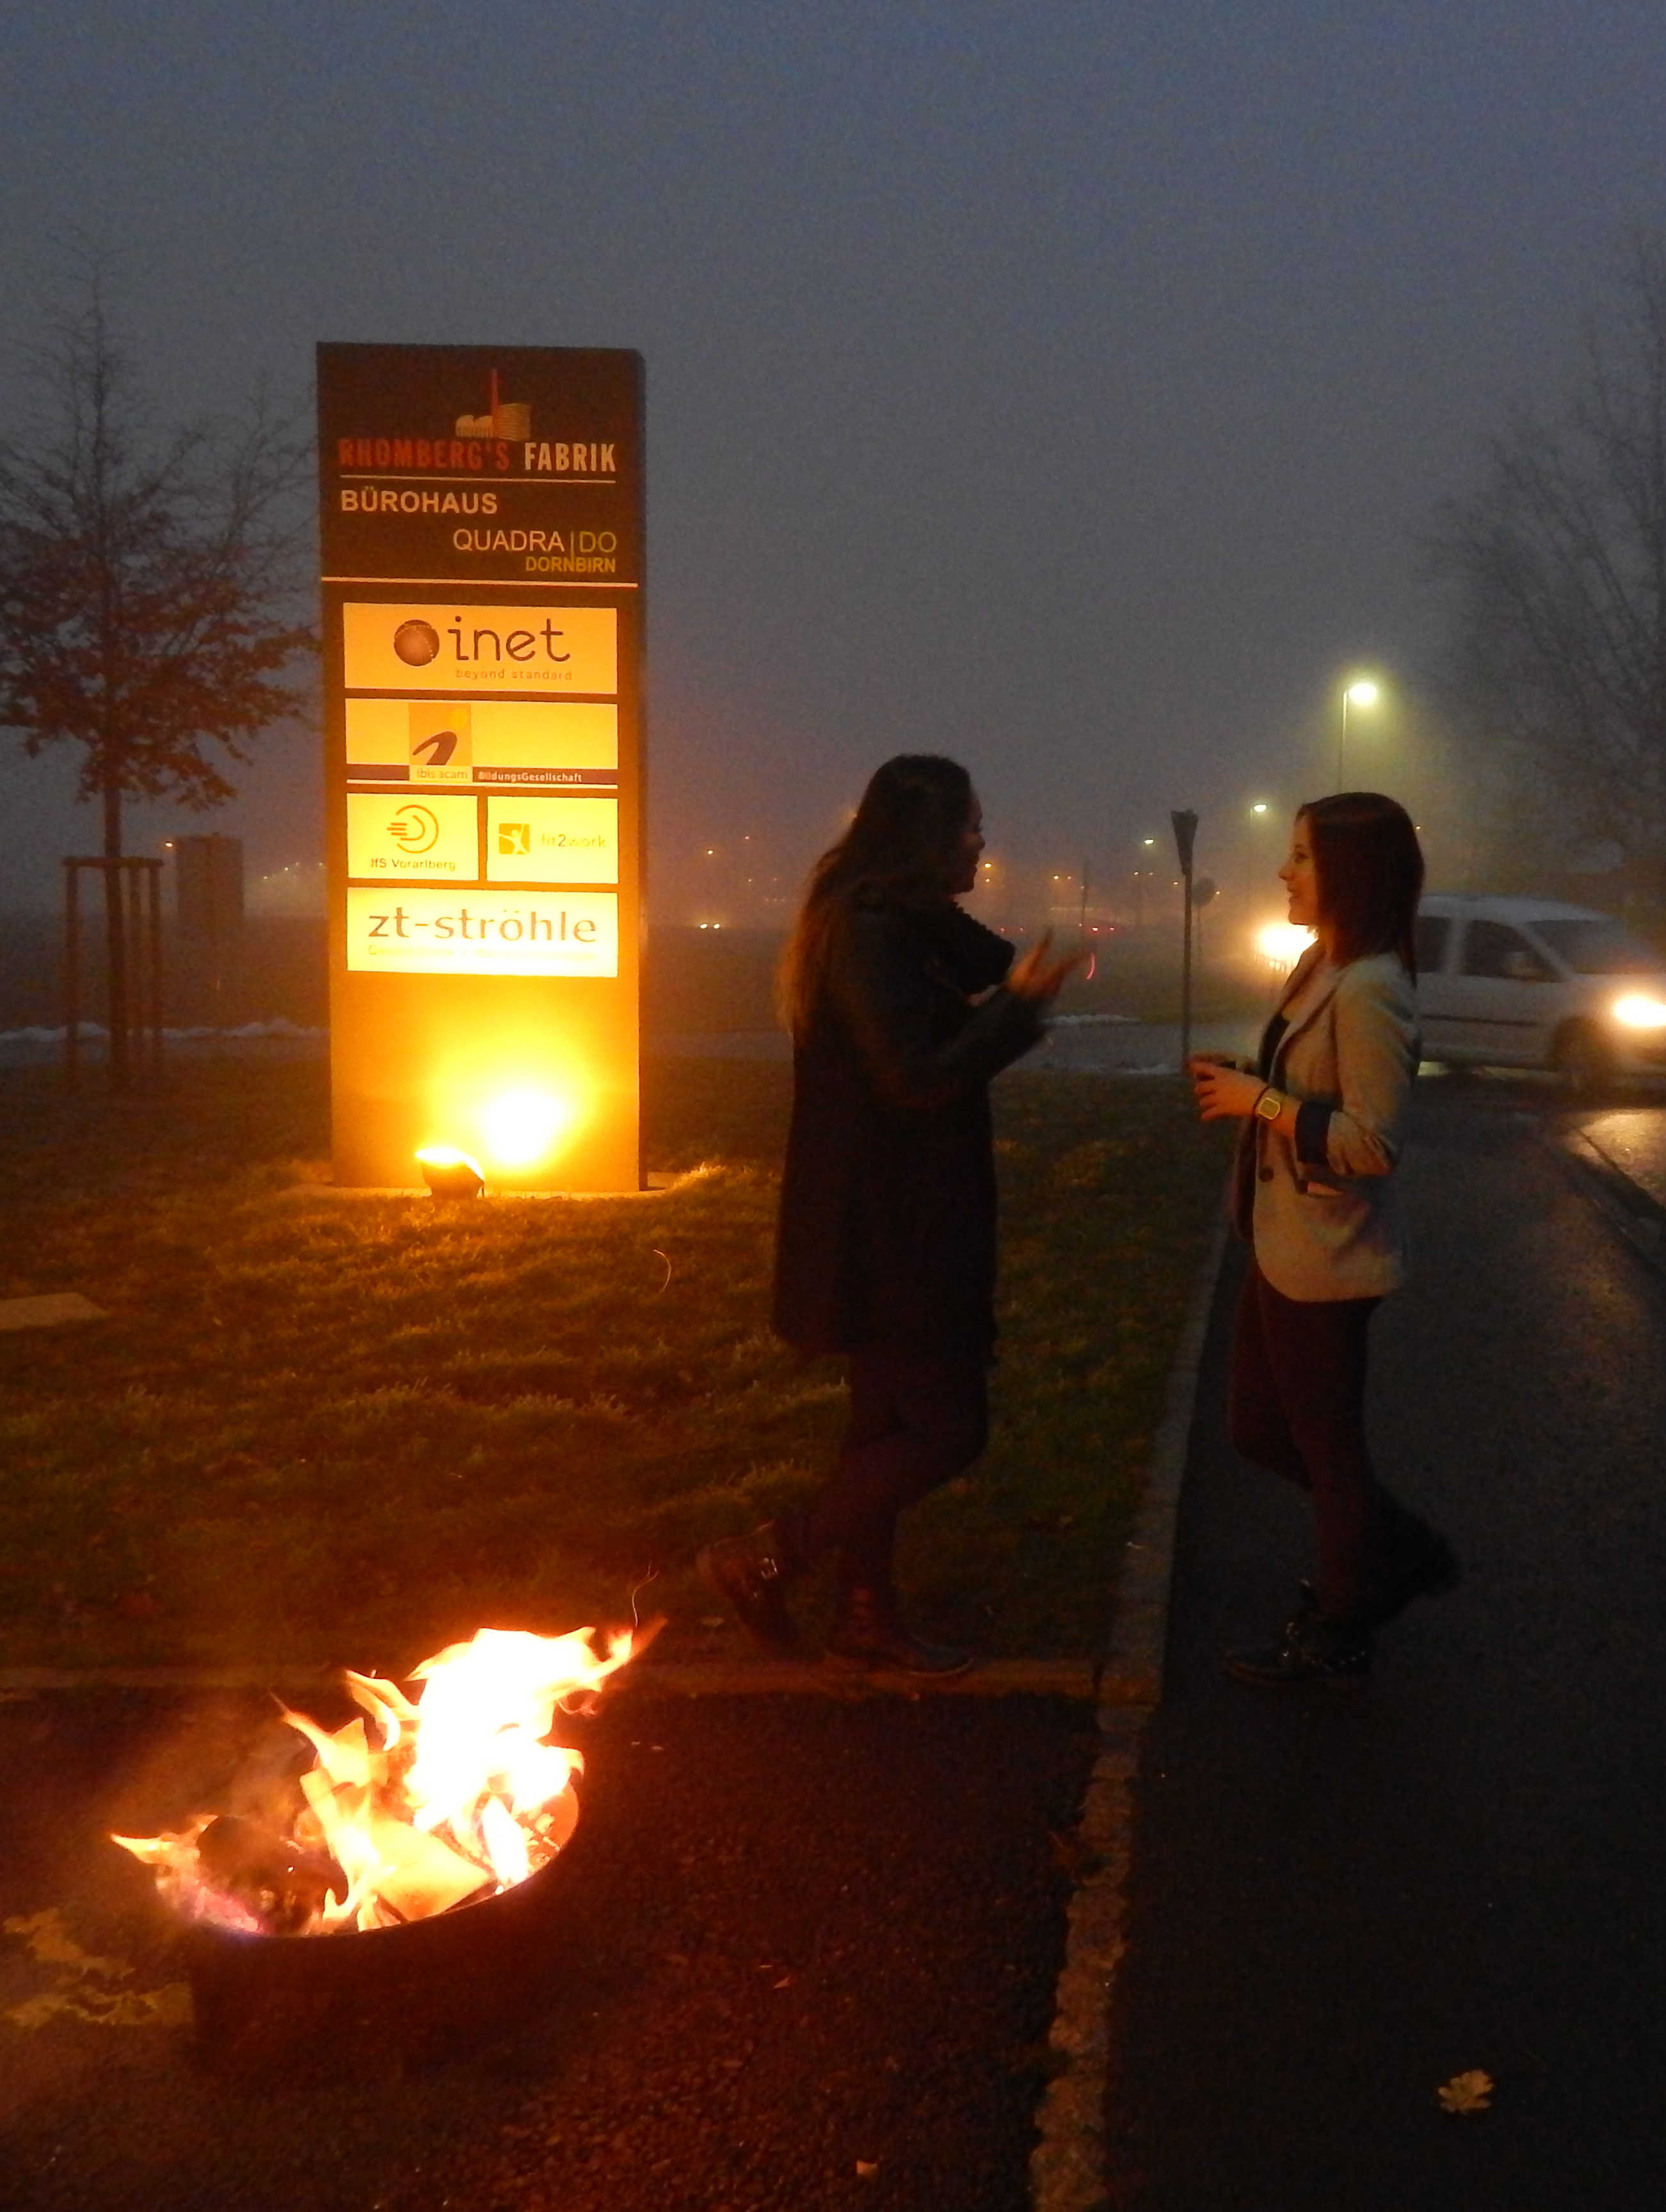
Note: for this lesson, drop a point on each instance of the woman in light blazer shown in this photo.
(1313, 1193)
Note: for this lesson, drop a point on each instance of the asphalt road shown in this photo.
(803, 1960)
(1338, 1903)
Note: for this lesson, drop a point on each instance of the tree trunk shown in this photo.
(115, 936)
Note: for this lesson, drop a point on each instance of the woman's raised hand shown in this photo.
(1224, 1093)
(1039, 973)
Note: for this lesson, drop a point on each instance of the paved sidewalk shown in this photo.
(1339, 1903)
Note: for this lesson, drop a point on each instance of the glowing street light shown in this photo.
(1361, 691)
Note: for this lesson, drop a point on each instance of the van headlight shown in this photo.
(1640, 1011)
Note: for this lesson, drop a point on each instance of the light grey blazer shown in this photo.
(1321, 1210)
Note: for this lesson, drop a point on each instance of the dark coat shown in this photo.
(887, 1234)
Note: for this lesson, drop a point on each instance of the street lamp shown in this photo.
(1361, 692)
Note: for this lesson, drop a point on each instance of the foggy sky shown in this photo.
(1064, 386)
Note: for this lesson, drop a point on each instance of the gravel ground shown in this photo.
(807, 1950)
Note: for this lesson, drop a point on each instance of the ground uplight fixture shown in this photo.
(449, 1173)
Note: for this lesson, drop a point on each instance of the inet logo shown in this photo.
(515, 837)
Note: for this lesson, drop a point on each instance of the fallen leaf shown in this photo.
(168, 2007)
(867, 2168)
(49, 1941)
(84, 1988)
(1467, 2093)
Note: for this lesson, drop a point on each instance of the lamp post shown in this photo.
(1185, 836)
(1360, 692)
(1259, 817)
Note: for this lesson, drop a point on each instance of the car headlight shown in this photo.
(1640, 1011)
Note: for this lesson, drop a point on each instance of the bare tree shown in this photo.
(1556, 679)
(146, 591)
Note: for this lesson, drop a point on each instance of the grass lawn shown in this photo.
(345, 1430)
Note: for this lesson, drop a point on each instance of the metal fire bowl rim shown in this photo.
(211, 1937)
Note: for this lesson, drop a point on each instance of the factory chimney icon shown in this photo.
(505, 418)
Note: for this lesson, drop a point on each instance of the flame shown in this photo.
(448, 1794)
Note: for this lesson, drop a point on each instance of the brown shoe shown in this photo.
(867, 1633)
(750, 1575)
(1313, 1648)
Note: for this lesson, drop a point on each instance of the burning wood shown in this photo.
(450, 1794)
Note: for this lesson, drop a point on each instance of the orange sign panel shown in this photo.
(481, 517)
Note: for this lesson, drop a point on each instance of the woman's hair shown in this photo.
(903, 844)
(1368, 865)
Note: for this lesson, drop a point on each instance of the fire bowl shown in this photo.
(286, 2004)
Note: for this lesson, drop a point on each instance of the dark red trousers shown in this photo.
(914, 1423)
(1296, 1404)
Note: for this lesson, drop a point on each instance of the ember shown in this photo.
(448, 1794)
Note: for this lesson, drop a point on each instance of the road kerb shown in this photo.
(1067, 2168)
(1622, 1203)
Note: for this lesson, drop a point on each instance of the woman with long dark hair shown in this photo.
(1323, 1114)
(903, 1009)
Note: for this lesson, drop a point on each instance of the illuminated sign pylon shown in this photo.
(482, 625)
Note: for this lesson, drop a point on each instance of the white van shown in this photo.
(1526, 982)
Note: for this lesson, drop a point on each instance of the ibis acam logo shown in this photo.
(480, 649)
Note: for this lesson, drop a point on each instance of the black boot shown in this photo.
(1314, 1648)
(750, 1575)
(1415, 1561)
(867, 1633)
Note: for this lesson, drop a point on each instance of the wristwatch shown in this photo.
(1269, 1105)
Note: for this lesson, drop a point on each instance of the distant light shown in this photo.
(1362, 692)
(1260, 807)
(1639, 1012)
(449, 1173)
(1148, 840)
(1282, 943)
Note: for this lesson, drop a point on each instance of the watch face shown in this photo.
(1267, 1107)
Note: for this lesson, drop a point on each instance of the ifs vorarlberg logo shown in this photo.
(415, 828)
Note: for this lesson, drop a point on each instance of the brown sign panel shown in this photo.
(481, 513)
